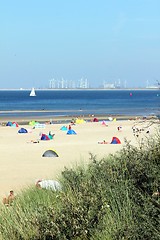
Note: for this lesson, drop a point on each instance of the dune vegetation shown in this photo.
(113, 198)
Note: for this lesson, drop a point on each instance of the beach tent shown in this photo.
(9, 124)
(44, 137)
(95, 119)
(115, 140)
(14, 124)
(80, 120)
(51, 136)
(50, 153)
(39, 125)
(32, 123)
(22, 130)
(103, 123)
(71, 131)
(64, 128)
(110, 119)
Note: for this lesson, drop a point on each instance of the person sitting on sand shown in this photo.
(8, 200)
(119, 128)
(73, 121)
(34, 141)
(50, 135)
(51, 121)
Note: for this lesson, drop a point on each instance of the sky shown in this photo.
(101, 40)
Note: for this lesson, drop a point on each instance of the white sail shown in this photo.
(32, 93)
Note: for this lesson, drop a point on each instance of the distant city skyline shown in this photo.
(101, 41)
(85, 83)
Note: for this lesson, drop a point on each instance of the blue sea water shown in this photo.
(78, 102)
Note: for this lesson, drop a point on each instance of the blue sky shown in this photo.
(99, 40)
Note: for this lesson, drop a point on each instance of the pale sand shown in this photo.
(21, 161)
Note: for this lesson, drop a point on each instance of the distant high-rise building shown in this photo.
(108, 85)
(52, 83)
(83, 83)
(125, 84)
(62, 84)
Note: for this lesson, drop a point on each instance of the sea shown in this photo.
(50, 103)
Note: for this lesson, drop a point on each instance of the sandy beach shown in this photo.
(21, 160)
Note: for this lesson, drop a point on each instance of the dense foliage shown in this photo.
(113, 198)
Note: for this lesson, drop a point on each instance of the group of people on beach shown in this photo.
(9, 199)
(136, 131)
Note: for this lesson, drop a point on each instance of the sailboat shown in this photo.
(32, 93)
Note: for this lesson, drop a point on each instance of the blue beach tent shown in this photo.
(71, 131)
(64, 128)
(22, 130)
(9, 124)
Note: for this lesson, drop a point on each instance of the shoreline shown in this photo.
(80, 89)
(23, 120)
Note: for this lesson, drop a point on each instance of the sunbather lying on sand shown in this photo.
(48, 184)
(34, 141)
(104, 142)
